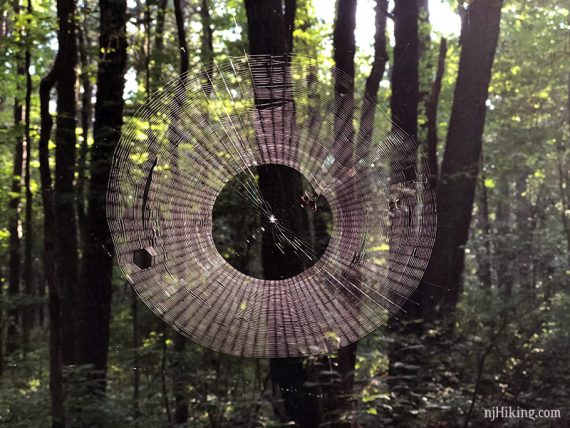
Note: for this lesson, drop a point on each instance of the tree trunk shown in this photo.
(15, 258)
(181, 399)
(207, 39)
(86, 117)
(181, 378)
(2, 285)
(136, 346)
(373, 82)
(66, 255)
(182, 43)
(158, 45)
(163, 367)
(405, 83)
(563, 186)
(289, 18)
(404, 106)
(147, 19)
(431, 112)
(54, 305)
(484, 257)
(268, 35)
(503, 247)
(425, 65)
(28, 314)
(97, 268)
(265, 27)
(459, 169)
(344, 47)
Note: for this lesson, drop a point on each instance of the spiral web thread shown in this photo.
(196, 134)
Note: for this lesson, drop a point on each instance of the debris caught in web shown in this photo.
(195, 215)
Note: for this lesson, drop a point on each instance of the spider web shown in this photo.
(214, 126)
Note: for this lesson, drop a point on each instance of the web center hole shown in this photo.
(269, 223)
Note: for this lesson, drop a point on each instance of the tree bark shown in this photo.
(563, 183)
(289, 18)
(563, 188)
(181, 399)
(97, 268)
(267, 34)
(265, 27)
(404, 108)
(181, 378)
(344, 47)
(2, 315)
(28, 314)
(207, 39)
(431, 112)
(86, 118)
(484, 256)
(136, 346)
(376, 74)
(158, 45)
(182, 43)
(163, 359)
(425, 61)
(15, 257)
(66, 255)
(54, 305)
(459, 169)
(405, 83)
(503, 246)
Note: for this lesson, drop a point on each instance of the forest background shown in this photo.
(482, 85)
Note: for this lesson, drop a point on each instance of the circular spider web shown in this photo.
(215, 127)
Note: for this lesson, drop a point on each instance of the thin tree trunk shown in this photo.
(54, 306)
(431, 111)
(485, 257)
(425, 65)
(2, 314)
(15, 258)
(563, 179)
(97, 268)
(181, 379)
(158, 45)
(563, 186)
(86, 117)
(182, 43)
(376, 74)
(344, 47)
(459, 169)
(206, 46)
(163, 359)
(181, 399)
(503, 246)
(207, 39)
(136, 346)
(524, 231)
(66, 254)
(28, 314)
